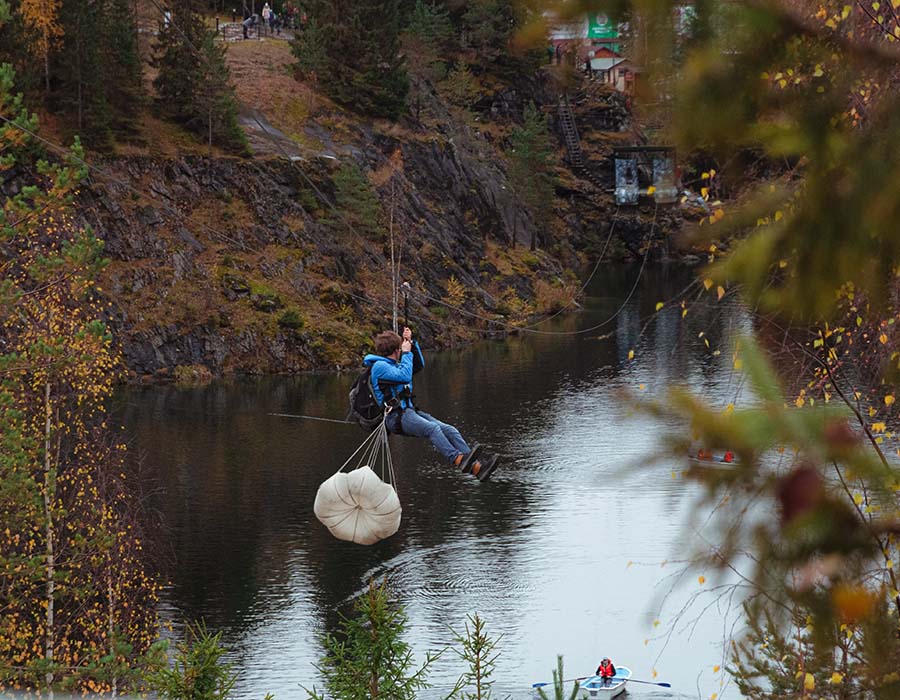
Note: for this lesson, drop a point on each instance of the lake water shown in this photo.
(568, 550)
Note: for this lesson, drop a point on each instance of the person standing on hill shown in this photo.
(392, 369)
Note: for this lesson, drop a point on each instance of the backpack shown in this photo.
(364, 407)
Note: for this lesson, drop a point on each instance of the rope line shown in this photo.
(535, 331)
(326, 420)
(587, 282)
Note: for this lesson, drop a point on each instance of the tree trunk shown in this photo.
(515, 231)
(50, 569)
(78, 73)
(110, 621)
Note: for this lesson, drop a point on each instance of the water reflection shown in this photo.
(542, 552)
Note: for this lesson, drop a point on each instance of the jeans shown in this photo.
(445, 438)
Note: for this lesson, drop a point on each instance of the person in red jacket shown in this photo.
(606, 670)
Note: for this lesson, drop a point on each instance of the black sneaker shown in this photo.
(471, 458)
(488, 465)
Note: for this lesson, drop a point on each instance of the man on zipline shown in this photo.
(392, 371)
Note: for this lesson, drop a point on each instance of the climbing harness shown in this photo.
(359, 502)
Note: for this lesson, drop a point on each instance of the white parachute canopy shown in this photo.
(358, 506)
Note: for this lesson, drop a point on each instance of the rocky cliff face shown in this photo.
(250, 266)
(242, 266)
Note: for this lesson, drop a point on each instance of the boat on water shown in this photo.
(597, 688)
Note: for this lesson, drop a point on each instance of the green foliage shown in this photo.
(530, 163)
(479, 651)
(765, 662)
(368, 659)
(193, 80)
(461, 87)
(311, 50)
(291, 319)
(489, 26)
(430, 23)
(559, 686)
(357, 204)
(354, 52)
(198, 671)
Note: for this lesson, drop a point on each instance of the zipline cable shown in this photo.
(326, 420)
(535, 331)
(587, 282)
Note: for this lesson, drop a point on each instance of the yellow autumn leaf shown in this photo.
(631, 354)
(889, 400)
(836, 678)
(720, 291)
(883, 339)
(878, 427)
(701, 580)
(660, 304)
(778, 214)
(716, 668)
(809, 682)
(651, 190)
(707, 283)
(852, 603)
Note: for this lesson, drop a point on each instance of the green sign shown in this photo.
(601, 27)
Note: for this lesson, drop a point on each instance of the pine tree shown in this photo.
(531, 158)
(356, 201)
(193, 81)
(479, 650)
(356, 55)
(431, 23)
(99, 76)
(368, 659)
(121, 57)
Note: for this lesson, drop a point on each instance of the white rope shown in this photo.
(374, 452)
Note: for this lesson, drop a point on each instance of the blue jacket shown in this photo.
(390, 377)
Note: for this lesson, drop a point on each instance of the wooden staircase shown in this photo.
(573, 143)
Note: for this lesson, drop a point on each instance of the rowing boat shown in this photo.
(597, 688)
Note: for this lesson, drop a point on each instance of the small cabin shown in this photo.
(640, 168)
